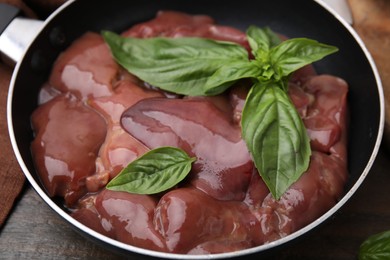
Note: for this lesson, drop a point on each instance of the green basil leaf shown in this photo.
(156, 171)
(275, 136)
(261, 39)
(179, 65)
(296, 53)
(228, 74)
(376, 247)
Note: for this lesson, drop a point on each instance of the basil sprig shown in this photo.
(155, 171)
(376, 247)
(271, 127)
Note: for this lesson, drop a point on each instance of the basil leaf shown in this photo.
(179, 65)
(376, 247)
(156, 171)
(293, 54)
(228, 74)
(275, 136)
(261, 39)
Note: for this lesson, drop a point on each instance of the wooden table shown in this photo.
(34, 231)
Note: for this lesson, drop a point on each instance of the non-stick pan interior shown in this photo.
(300, 18)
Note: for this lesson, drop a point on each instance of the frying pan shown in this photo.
(299, 18)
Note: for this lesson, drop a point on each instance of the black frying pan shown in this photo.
(299, 18)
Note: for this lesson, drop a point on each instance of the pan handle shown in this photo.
(16, 33)
(341, 7)
(7, 14)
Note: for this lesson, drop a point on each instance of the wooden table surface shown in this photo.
(34, 231)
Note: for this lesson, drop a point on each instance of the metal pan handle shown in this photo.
(16, 33)
(341, 7)
(7, 14)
